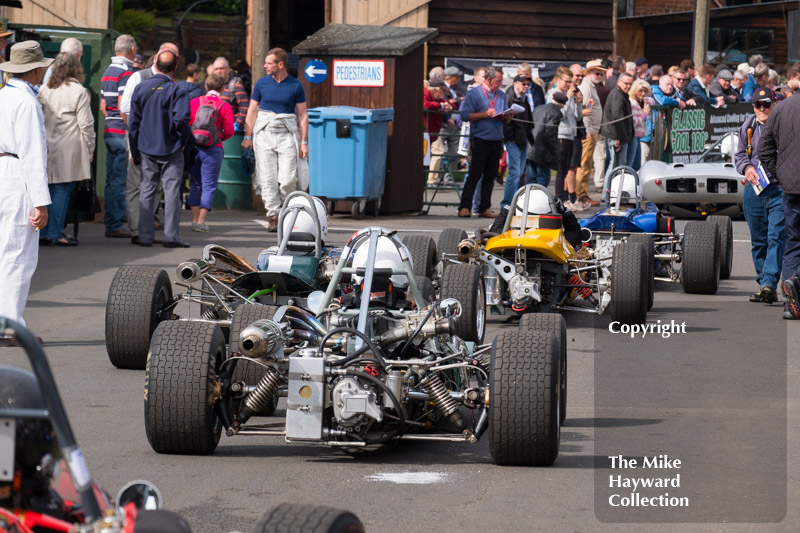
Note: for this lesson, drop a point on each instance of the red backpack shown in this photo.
(204, 126)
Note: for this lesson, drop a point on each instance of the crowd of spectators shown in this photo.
(576, 124)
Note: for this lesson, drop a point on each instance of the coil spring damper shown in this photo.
(584, 291)
(257, 399)
(443, 401)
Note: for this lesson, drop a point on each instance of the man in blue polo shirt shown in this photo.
(481, 107)
(277, 129)
(158, 129)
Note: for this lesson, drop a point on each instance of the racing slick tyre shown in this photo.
(136, 299)
(725, 228)
(180, 378)
(308, 518)
(649, 249)
(464, 283)
(425, 286)
(629, 284)
(701, 258)
(524, 380)
(423, 254)
(665, 224)
(247, 371)
(449, 239)
(551, 322)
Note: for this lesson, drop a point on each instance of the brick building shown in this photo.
(661, 30)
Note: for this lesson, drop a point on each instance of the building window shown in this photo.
(624, 8)
(734, 46)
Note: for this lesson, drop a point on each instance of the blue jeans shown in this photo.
(204, 175)
(617, 158)
(60, 194)
(764, 214)
(116, 177)
(537, 173)
(515, 159)
(791, 256)
(476, 197)
(635, 154)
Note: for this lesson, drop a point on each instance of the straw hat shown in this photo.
(25, 56)
(594, 64)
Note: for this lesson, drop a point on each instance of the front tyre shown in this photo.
(180, 380)
(725, 228)
(464, 282)
(554, 323)
(524, 418)
(629, 283)
(700, 271)
(136, 301)
(308, 518)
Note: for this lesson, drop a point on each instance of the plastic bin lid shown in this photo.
(355, 114)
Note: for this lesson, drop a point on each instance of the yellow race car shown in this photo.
(539, 260)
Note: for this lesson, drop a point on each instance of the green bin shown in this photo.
(234, 189)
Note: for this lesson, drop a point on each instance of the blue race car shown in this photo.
(697, 258)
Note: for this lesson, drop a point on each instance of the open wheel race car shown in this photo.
(709, 185)
(697, 258)
(376, 362)
(141, 297)
(530, 267)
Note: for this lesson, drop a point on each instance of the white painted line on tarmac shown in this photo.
(265, 224)
(409, 478)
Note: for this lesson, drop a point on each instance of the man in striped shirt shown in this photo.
(234, 92)
(113, 83)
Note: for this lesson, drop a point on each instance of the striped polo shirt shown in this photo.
(111, 86)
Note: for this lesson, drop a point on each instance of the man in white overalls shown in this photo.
(24, 196)
(277, 129)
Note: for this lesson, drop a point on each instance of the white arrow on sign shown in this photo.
(311, 71)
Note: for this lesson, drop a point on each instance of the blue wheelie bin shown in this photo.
(347, 154)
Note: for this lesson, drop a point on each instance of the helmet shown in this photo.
(35, 444)
(304, 222)
(629, 192)
(387, 256)
(728, 145)
(538, 203)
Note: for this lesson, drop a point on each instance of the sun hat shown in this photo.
(24, 57)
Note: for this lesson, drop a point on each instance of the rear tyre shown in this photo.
(649, 249)
(449, 239)
(134, 308)
(249, 372)
(425, 286)
(555, 323)
(725, 228)
(524, 419)
(181, 374)
(423, 254)
(308, 518)
(629, 284)
(700, 247)
(464, 282)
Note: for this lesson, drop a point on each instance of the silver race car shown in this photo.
(707, 186)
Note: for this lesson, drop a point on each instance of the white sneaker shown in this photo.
(575, 207)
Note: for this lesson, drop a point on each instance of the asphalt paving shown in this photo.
(721, 398)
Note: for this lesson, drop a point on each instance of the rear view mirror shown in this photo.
(142, 494)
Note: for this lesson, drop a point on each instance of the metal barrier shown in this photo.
(447, 168)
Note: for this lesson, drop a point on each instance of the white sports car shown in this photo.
(707, 186)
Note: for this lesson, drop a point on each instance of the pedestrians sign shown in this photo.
(359, 73)
(316, 71)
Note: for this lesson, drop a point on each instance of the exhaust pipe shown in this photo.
(192, 270)
(465, 249)
(263, 338)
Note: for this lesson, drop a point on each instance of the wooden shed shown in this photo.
(402, 52)
(75, 13)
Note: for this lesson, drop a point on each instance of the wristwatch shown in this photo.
(303, 142)
(248, 137)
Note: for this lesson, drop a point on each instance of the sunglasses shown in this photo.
(762, 105)
(525, 83)
(680, 79)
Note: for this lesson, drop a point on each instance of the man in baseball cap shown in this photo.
(23, 174)
(763, 210)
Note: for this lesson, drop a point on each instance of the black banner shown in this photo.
(693, 129)
(540, 69)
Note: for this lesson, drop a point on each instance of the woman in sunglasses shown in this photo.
(763, 201)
